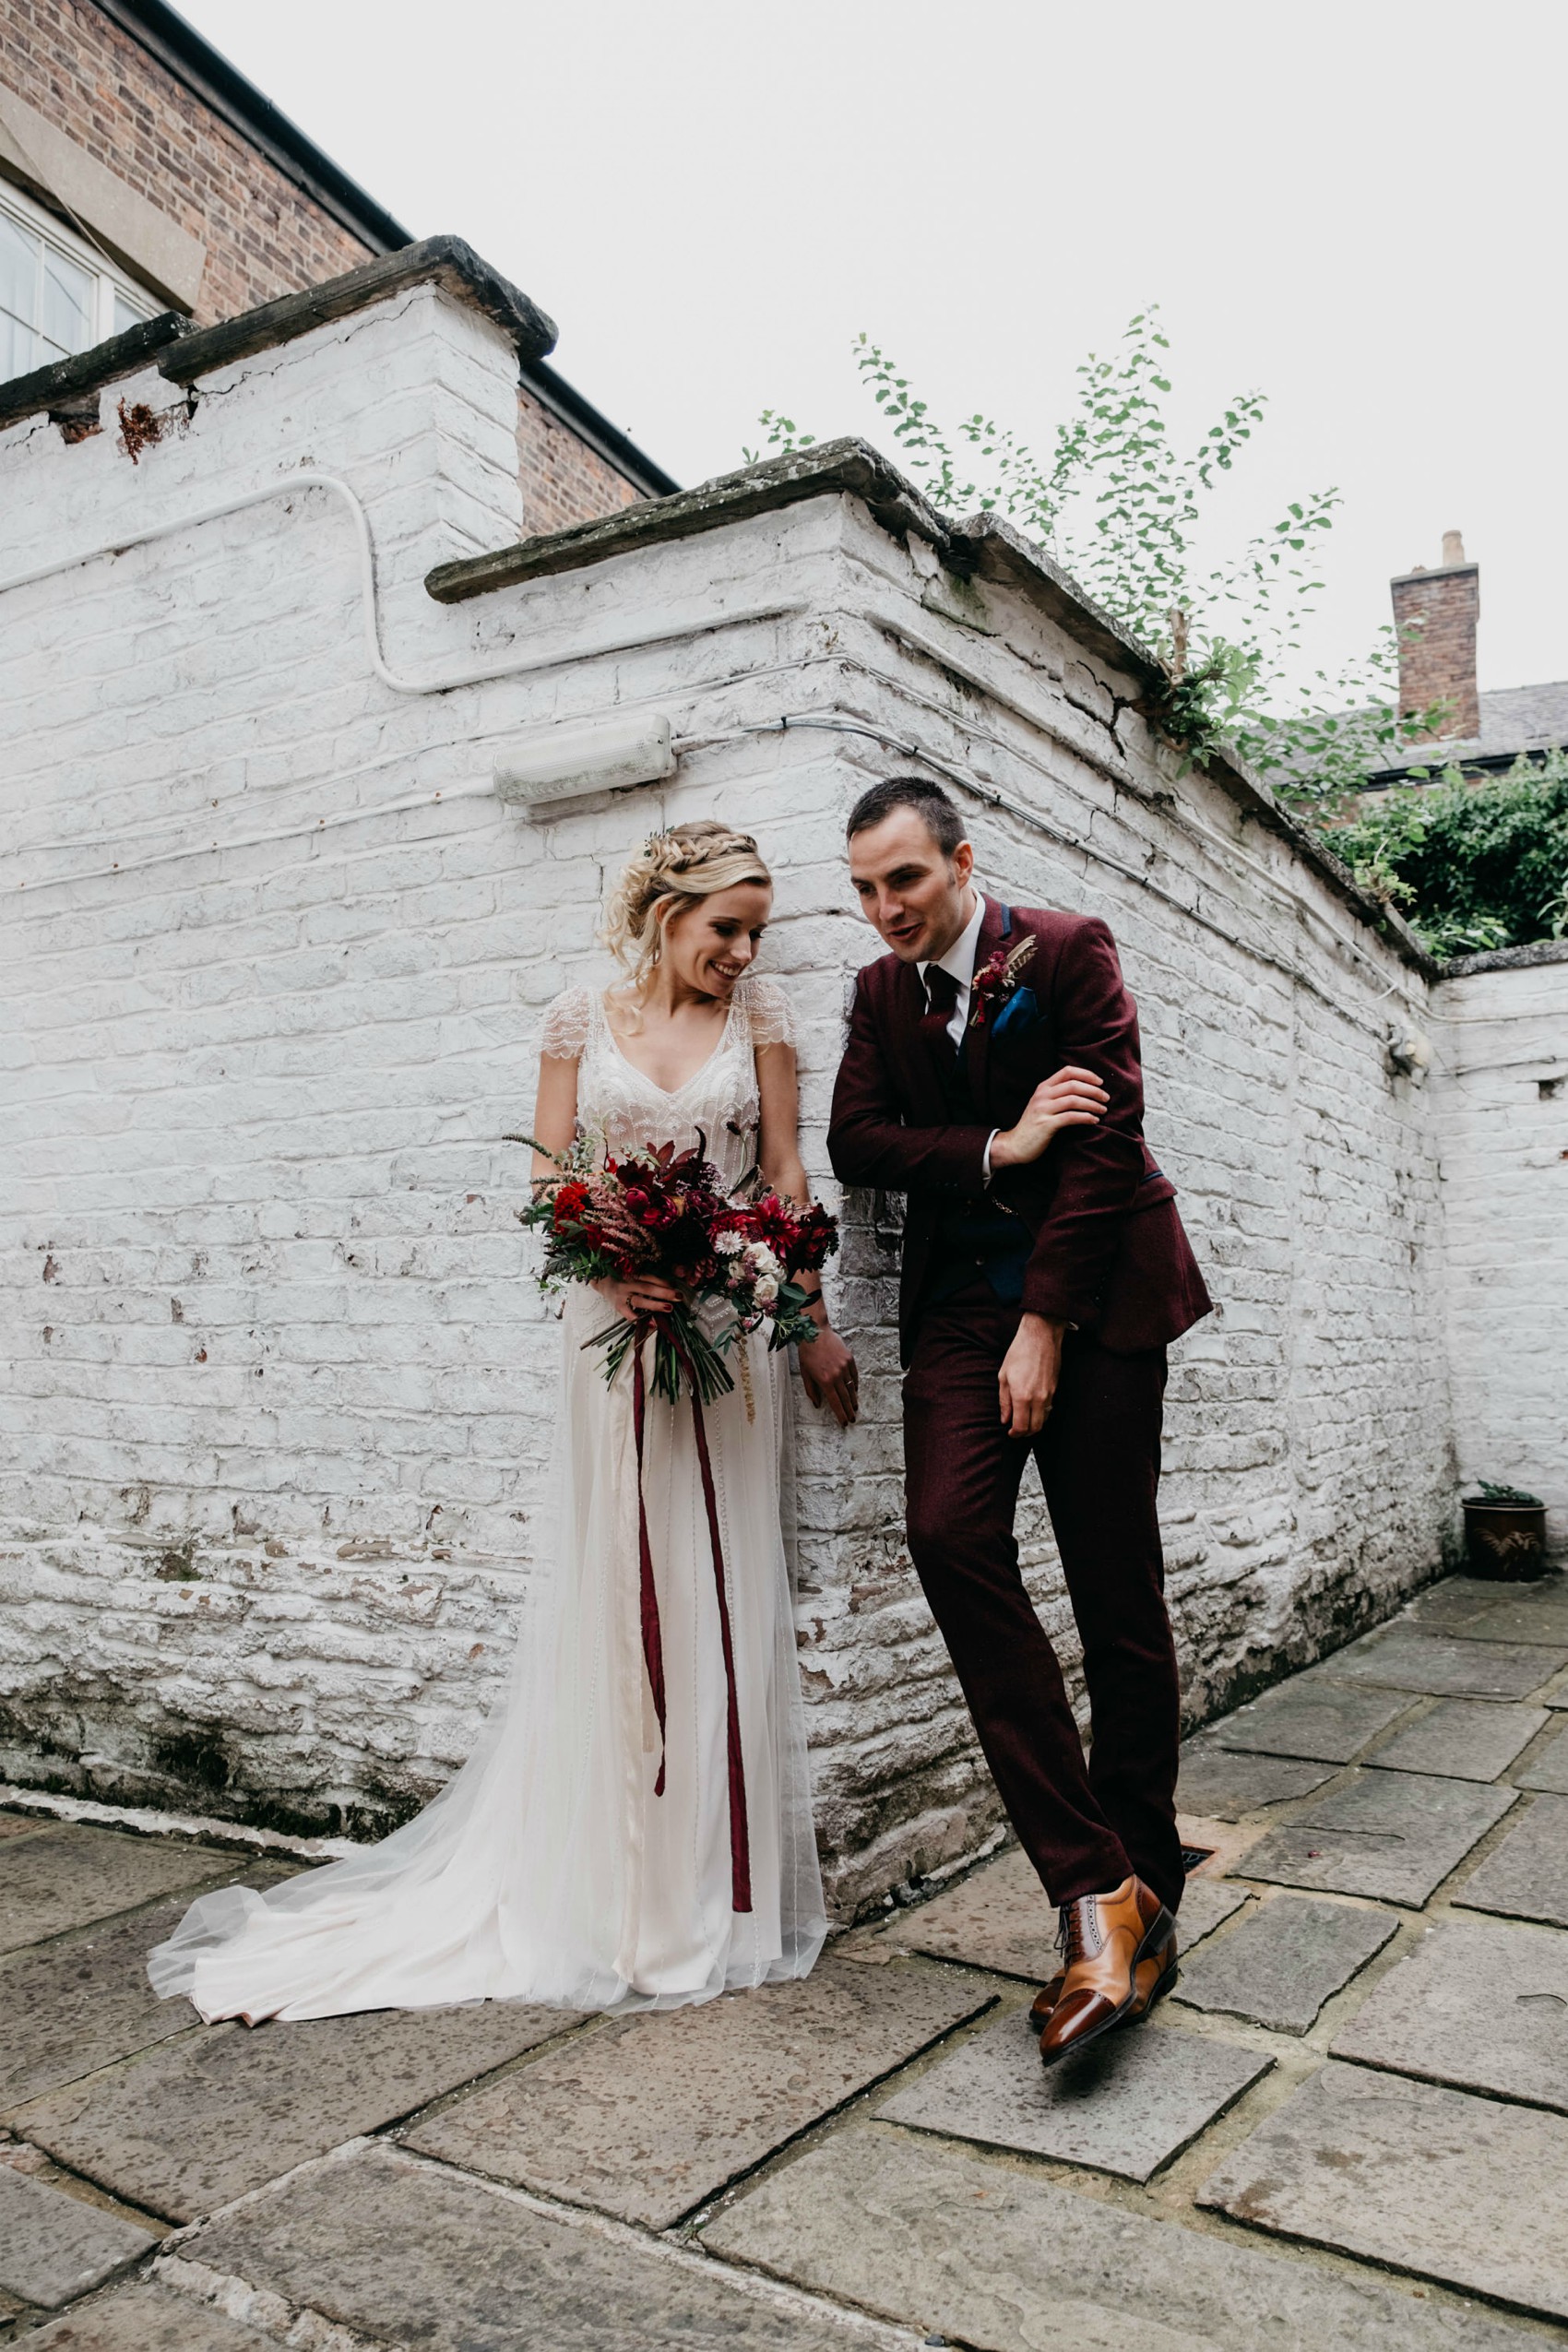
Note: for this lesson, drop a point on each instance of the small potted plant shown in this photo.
(1505, 1532)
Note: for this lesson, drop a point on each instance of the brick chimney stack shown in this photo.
(1435, 615)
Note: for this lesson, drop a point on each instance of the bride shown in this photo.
(552, 1868)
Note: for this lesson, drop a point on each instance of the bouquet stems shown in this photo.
(681, 1351)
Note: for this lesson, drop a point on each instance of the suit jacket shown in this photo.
(1110, 1253)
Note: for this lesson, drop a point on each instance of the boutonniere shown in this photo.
(996, 980)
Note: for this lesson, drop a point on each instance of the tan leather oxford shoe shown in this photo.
(1046, 2000)
(1120, 1954)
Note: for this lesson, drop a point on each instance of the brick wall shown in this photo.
(276, 1389)
(1499, 1100)
(565, 481)
(1435, 614)
(264, 236)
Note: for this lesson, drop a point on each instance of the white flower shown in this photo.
(766, 1289)
(729, 1245)
(764, 1263)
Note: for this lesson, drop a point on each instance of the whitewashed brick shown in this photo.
(278, 1388)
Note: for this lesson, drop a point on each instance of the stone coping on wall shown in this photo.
(66, 382)
(985, 545)
(1508, 959)
(183, 355)
(446, 262)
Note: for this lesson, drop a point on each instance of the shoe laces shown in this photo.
(1070, 1932)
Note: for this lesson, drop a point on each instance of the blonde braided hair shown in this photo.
(669, 873)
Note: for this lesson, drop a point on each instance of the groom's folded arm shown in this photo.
(1100, 1167)
(867, 1140)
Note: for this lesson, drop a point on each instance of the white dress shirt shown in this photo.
(959, 961)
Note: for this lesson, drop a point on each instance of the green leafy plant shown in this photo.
(1513, 1495)
(1121, 507)
(1479, 865)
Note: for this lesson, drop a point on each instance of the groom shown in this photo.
(1044, 1272)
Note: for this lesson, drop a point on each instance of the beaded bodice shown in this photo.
(620, 1104)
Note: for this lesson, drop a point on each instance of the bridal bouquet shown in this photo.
(664, 1214)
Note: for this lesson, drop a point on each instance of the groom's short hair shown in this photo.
(929, 801)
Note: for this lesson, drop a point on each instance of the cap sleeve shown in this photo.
(767, 1011)
(565, 1030)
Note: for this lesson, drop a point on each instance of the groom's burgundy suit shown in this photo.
(1097, 1243)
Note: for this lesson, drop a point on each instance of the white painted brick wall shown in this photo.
(1500, 1099)
(277, 1387)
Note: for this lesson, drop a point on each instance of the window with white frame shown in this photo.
(57, 296)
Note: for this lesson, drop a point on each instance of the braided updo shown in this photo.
(668, 874)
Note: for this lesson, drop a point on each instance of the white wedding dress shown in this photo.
(549, 1869)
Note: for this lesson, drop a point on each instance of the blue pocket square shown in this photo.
(1021, 1010)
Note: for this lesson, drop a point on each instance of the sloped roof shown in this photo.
(1513, 720)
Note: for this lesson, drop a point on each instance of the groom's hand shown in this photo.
(1029, 1372)
(1069, 1098)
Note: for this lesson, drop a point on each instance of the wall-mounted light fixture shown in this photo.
(563, 763)
(1407, 1053)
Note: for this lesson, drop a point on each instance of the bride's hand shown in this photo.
(639, 1294)
(829, 1375)
(1069, 1098)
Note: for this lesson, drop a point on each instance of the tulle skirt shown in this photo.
(549, 1869)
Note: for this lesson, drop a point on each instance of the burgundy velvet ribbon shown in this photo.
(653, 1646)
(653, 1640)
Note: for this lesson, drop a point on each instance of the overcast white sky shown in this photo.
(1359, 209)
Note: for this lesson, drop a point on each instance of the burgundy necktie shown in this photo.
(942, 995)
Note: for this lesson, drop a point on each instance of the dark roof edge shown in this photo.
(181, 50)
(985, 543)
(1468, 763)
(563, 400)
(1508, 959)
(443, 261)
(88, 372)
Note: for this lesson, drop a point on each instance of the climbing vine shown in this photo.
(1120, 506)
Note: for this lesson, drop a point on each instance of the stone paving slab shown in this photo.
(1536, 1613)
(1130, 2103)
(64, 1878)
(189, 2125)
(145, 2318)
(1222, 1784)
(1527, 1876)
(1464, 2190)
(1279, 1967)
(1000, 1917)
(651, 2115)
(1463, 1740)
(1328, 1721)
(957, 2246)
(1404, 1657)
(1478, 2005)
(1550, 1769)
(414, 2256)
(1392, 1836)
(1453, 1604)
(68, 2009)
(53, 2247)
(1206, 1905)
(18, 1825)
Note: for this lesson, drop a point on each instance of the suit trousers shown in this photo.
(1083, 1826)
